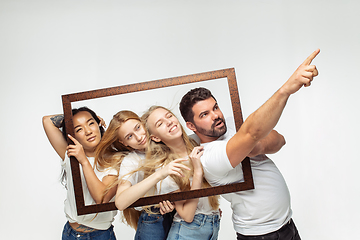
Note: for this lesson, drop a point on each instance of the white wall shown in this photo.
(50, 48)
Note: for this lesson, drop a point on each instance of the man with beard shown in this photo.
(264, 212)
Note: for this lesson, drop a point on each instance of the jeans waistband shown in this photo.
(69, 230)
(289, 222)
(207, 218)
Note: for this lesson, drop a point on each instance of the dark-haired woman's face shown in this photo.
(86, 130)
(132, 134)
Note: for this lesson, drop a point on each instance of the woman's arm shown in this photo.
(95, 185)
(51, 125)
(186, 208)
(127, 194)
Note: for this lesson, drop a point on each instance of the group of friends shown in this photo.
(152, 154)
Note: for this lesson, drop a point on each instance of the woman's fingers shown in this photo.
(76, 142)
(197, 152)
(166, 207)
(102, 122)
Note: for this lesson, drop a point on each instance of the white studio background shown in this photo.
(51, 48)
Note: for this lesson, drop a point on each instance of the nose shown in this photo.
(169, 122)
(214, 115)
(88, 131)
(137, 137)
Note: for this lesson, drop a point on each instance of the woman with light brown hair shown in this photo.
(195, 218)
(123, 148)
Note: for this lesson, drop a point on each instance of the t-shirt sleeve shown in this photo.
(128, 165)
(110, 171)
(215, 160)
(167, 185)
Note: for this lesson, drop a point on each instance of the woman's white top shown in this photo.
(168, 185)
(129, 164)
(101, 221)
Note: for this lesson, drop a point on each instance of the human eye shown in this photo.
(128, 137)
(203, 115)
(78, 130)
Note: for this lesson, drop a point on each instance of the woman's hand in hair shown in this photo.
(77, 151)
(166, 207)
(176, 167)
(102, 122)
(194, 157)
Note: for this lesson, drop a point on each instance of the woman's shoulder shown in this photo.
(134, 156)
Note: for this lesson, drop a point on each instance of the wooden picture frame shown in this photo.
(229, 74)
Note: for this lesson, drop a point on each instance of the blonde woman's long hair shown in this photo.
(109, 154)
(159, 155)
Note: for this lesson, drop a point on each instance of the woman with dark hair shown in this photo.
(95, 176)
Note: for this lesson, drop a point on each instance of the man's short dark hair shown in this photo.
(190, 99)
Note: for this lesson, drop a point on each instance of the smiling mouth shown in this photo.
(173, 128)
(143, 141)
(91, 139)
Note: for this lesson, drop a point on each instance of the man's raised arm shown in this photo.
(259, 124)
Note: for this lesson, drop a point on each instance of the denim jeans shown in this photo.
(70, 234)
(150, 227)
(286, 232)
(202, 227)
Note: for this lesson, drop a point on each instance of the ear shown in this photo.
(191, 126)
(155, 139)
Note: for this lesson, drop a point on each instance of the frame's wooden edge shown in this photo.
(234, 96)
(218, 190)
(75, 167)
(149, 85)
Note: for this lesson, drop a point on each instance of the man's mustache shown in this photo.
(217, 121)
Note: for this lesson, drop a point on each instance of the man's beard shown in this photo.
(212, 132)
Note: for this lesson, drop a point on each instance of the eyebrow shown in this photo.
(157, 122)
(201, 113)
(206, 111)
(131, 133)
(166, 114)
(90, 119)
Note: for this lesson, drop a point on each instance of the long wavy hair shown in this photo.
(159, 155)
(110, 152)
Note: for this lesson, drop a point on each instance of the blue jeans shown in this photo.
(286, 232)
(202, 227)
(70, 234)
(150, 227)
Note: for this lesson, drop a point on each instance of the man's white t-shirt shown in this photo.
(259, 211)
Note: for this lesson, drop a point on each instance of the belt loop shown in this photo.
(68, 229)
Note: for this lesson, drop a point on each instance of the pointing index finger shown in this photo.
(73, 139)
(311, 57)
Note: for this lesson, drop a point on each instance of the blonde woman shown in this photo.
(195, 218)
(95, 180)
(123, 147)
